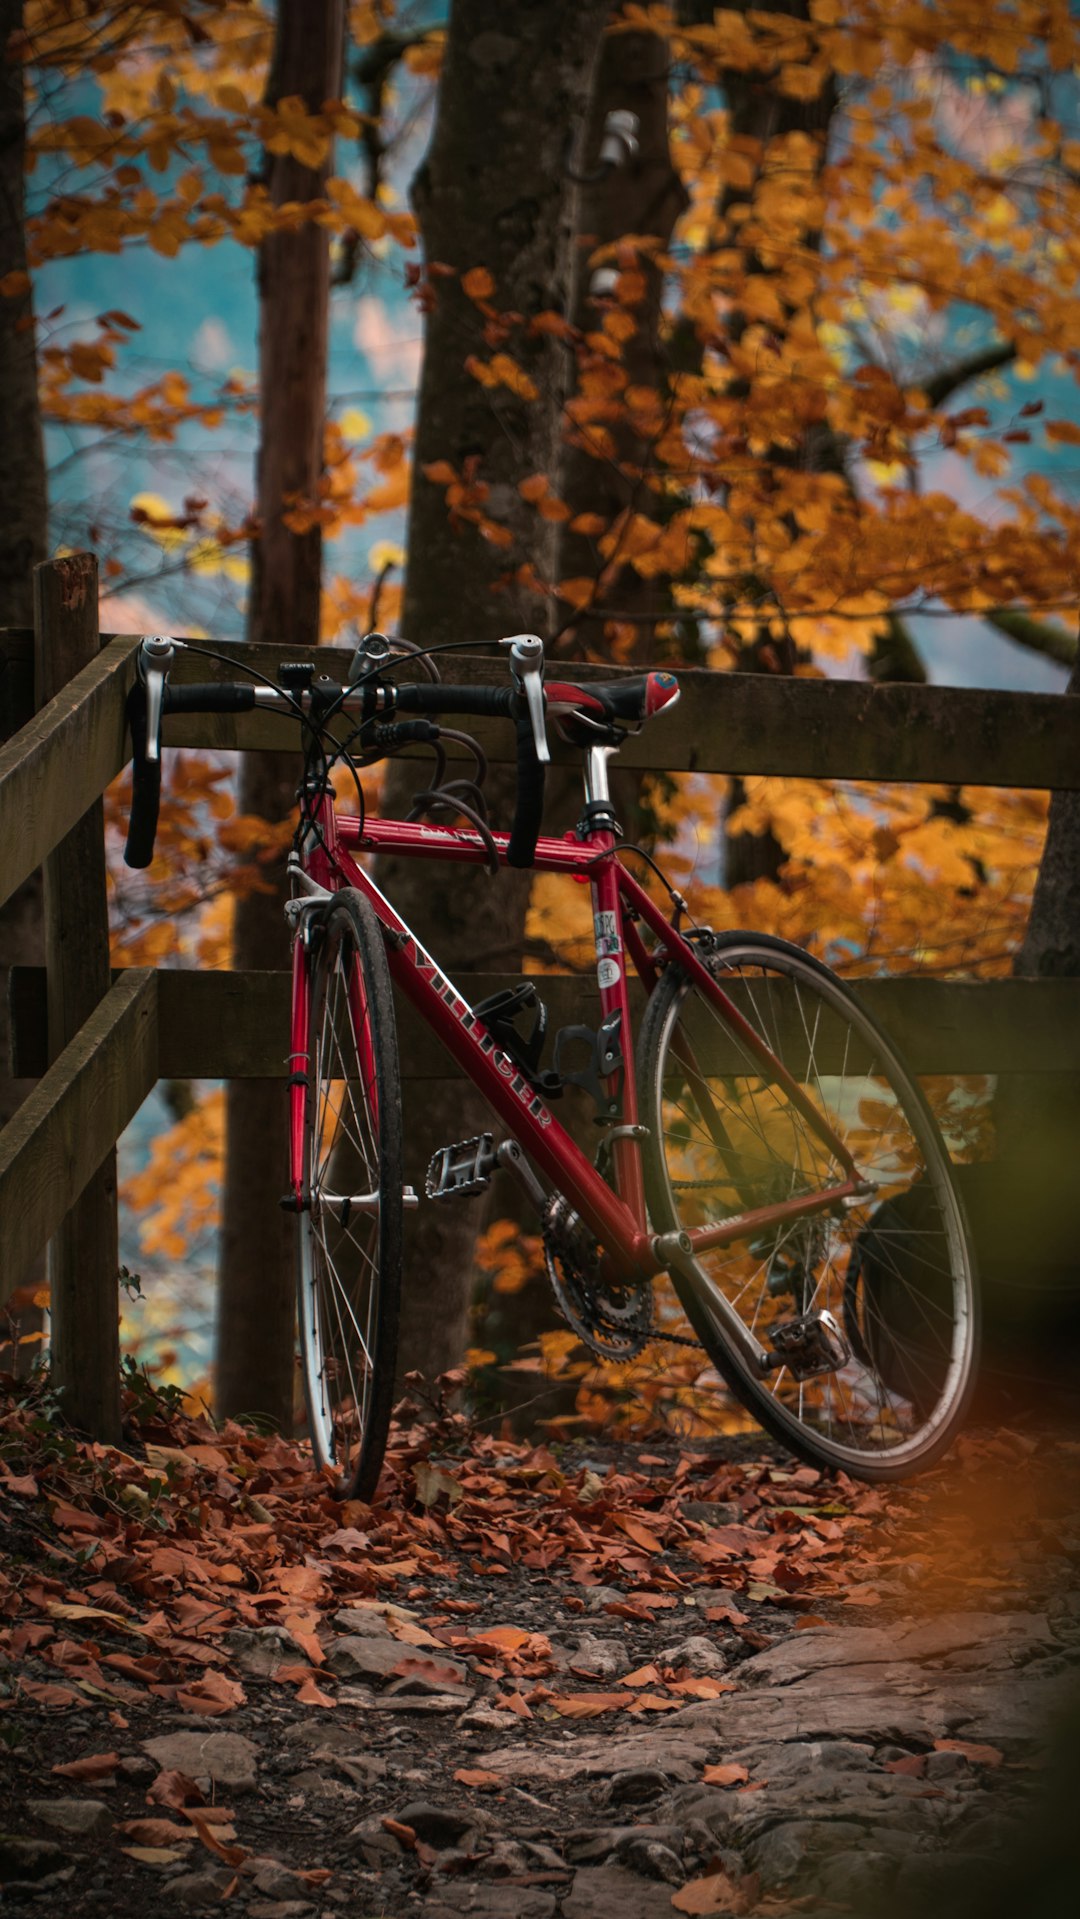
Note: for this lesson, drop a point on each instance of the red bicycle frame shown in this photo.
(618, 1218)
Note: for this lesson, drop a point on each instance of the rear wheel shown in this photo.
(874, 1304)
(349, 1277)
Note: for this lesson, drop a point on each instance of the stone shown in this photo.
(199, 1889)
(367, 1621)
(678, 1755)
(994, 1640)
(437, 1826)
(945, 1765)
(224, 1759)
(375, 1846)
(600, 1892)
(137, 1770)
(365, 1656)
(700, 1655)
(76, 1817)
(597, 1597)
(273, 1879)
(495, 1902)
(326, 1735)
(653, 1860)
(23, 1859)
(316, 1785)
(600, 1658)
(260, 1650)
(591, 1845)
(278, 1909)
(419, 1703)
(857, 1879)
(781, 1853)
(485, 1718)
(711, 1512)
(636, 1787)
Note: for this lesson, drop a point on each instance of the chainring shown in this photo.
(614, 1322)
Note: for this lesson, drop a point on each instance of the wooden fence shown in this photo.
(96, 1041)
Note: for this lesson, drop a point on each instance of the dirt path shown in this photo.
(721, 1686)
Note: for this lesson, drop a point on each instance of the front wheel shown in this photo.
(868, 1313)
(350, 1253)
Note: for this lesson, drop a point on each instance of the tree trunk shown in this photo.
(493, 192)
(255, 1368)
(23, 519)
(643, 196)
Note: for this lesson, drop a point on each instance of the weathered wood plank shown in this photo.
(84, 1251)
(741, 723)
(750, 723)
(61, 1133)
(61, 761)
(234, 1025)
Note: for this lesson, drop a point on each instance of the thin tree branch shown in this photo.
(1037, 636)
(945, 384)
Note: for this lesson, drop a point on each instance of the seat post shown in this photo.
(596, 773)
(599, 815)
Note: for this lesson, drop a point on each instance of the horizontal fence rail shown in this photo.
(740, 723)
(233, 1025)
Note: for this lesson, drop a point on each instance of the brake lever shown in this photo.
(527, 672)
(156, 655)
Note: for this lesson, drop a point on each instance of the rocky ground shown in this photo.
(629, 1683)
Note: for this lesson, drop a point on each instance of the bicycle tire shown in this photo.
(896, 1271)
(349, 1259)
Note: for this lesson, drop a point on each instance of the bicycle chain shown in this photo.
(590, 1307)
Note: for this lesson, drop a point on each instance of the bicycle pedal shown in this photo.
(458, 1171)
(808, 1346)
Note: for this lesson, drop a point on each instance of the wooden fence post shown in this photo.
(84, 1255)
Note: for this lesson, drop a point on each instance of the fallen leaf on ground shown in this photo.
(404, 1835)
(587, 1705)
(725, 1775)
(155, 1832)
(715, 1893)
(977, 1755)
(476, 1776)
(174, 1789)
(94, 1765)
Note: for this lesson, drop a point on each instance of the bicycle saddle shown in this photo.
(604, 711)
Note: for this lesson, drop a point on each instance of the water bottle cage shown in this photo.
(500, 1012)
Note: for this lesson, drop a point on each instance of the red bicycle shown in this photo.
(761, 1143)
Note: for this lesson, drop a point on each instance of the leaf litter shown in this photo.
(134, 1568)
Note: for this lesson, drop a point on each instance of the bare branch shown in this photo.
(945, 384)
(1037, 636)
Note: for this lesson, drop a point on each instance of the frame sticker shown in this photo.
(606, 931)
(608, 972)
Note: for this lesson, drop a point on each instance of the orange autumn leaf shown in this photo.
(478, 283)
(729, 1775)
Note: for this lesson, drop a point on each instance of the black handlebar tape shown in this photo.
(480, 702)
(145, 785)
(529, 811)
(213, 696)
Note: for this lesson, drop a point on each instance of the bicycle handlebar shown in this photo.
(152, 696)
